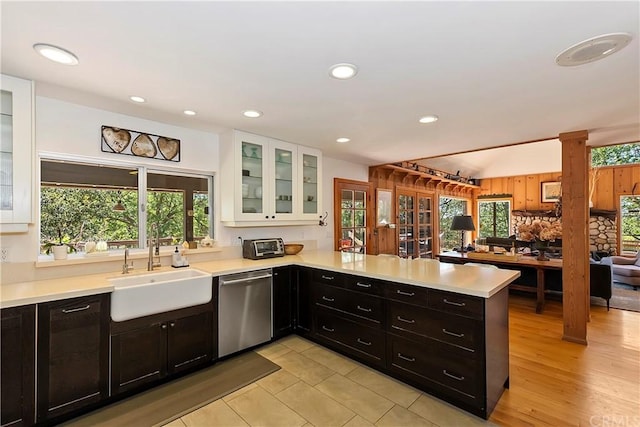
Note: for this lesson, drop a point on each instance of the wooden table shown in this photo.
(526, 261)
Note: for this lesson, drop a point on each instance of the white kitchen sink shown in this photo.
(145, 294)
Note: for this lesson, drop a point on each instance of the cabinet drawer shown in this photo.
(406, 293)
(462, 305)
(454, 374)
(362, 306)
(364, 284)
(455, 330)
(328, 277)
(353, 338)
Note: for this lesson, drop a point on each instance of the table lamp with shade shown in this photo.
(462, 223)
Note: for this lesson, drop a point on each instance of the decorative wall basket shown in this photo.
(132, 143)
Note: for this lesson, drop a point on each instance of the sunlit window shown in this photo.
(102, 205)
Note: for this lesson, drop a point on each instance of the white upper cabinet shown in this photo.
(265, 181)
(310, 197)
(16, 154)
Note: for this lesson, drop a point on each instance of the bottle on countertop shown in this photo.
(176, 259)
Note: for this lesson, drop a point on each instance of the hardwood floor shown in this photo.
(558, 383)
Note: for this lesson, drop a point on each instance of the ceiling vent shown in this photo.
(593, 49)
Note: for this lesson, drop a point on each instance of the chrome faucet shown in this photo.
(154, 260)
(126, 267)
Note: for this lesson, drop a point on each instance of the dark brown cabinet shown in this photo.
(348, 315)
(283, 301)
(17, 346)
(302, 311)
(451, 345)
(73, 354)
(148, 349)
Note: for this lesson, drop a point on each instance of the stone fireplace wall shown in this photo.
(603, 231)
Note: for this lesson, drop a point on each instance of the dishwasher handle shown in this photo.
(244, 279)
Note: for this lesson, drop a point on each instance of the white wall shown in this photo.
(71, 129)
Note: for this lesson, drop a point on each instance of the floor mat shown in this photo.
(170, 401)
(623, 297)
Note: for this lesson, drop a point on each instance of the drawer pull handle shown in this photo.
(408, 359)
(455, 377)
(73, 310)
(453, 334)
(363, 342)
(408, 294)
(328, 329)
(457, 304)
(402, 319)
(363, 285)
(328, 299)
(366, 310)
(163, 326)
(327, 277)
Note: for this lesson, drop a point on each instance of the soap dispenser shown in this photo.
(176, 259)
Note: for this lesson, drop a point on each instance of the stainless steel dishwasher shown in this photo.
(244, 310)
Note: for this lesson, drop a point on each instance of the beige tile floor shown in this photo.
(317, 387)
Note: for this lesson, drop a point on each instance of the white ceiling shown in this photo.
(486, 68)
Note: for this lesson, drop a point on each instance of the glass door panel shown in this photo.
(424, 227)
(353, 206)
(6, 152)
(406, 226)
(283, 166)
(310, 184)
(252, 181)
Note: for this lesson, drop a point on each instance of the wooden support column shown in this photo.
(575, 229)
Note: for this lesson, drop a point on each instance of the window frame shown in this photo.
(509, 200)
(143, 170)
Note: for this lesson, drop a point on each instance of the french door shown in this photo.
(415, 223)
(352, 215)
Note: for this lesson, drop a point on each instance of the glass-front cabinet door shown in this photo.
(16, 153)
(310, 183)
(283, 160)
(253, 171)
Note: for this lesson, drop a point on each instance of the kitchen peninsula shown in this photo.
(440, 327)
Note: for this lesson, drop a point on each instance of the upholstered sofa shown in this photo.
(624, 270)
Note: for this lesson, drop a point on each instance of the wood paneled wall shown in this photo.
(611, 183)
(384, 240)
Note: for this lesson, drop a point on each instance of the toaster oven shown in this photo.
(262, 248)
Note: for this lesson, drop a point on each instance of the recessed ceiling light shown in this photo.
(189, 112)
(343, 71)
(342, 140)
(593, 49)
(137, 99)
(252, 114)
(428, 119)
(56, 54)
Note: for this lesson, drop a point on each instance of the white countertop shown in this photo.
(476, 281)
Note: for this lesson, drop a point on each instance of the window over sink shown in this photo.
(84, 204)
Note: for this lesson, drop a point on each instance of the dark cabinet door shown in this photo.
(189, 342)
(282, 301)
(17, 344)
(138, 357)
(303, 301)
(73, 354)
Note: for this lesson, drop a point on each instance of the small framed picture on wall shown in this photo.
(551, 191)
